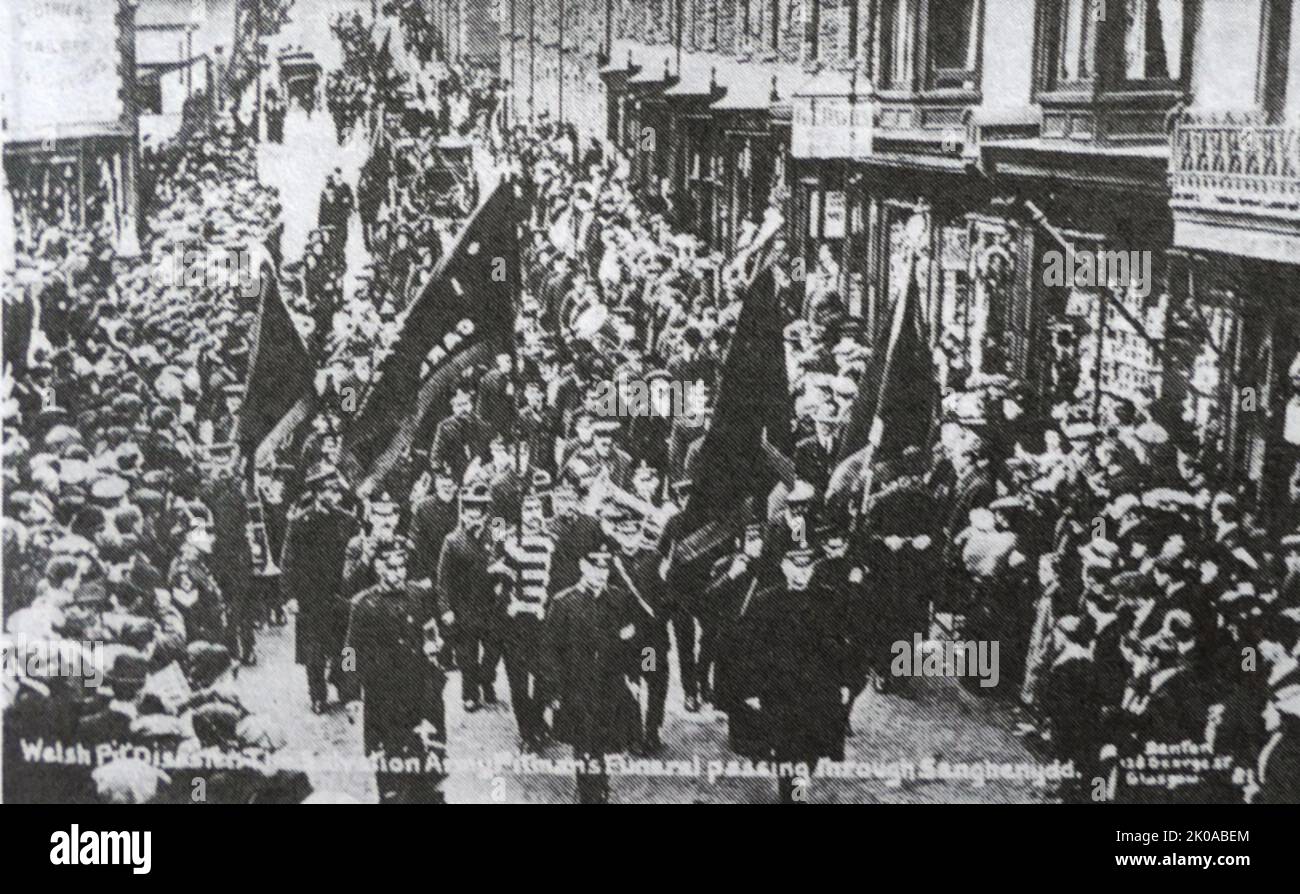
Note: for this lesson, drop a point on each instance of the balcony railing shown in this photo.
(1236, 161)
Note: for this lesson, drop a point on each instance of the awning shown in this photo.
(656, 64)
(155, 70)
(618, 66)
(698, 78)
(755, 87)
(832, 83)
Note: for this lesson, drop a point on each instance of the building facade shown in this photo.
(985, 144)
(466, 30)
(70, 127)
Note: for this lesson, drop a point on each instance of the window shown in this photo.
(1275, 71)
(1153, 40)
(852, 36)
(954, 43)
(148, 95)
(744, 27)
(812, 30)
(897, 41)
(1076, 42)
(1145, 40)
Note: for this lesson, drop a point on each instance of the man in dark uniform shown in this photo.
(460, 437)
(794, 674)
(814, 455)
(903, 558)
(574, 533)
(394, 632)
(733, 581)
(636, 570)
(232, 557)
(433, 519)
(315, 541)
(359, 558)
(467, 591)
(591, 648)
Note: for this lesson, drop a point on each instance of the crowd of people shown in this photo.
(131, 599)
(1140, 607)
(1147, 627)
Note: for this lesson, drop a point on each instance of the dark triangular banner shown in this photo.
(752, 412)
(470, 300)
(896, 400)
(279, 371)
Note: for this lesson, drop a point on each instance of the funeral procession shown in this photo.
(651, 401)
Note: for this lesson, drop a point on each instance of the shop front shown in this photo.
(1233, 372)
(751, 123)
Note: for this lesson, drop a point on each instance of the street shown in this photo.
(941, 722)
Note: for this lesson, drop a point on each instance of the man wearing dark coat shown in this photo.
(733, 580)
(232, 558)
(636, 570)
(793, 674)
(460, 437)
(1068, 700)
(1165, 704)
(315, 542)
(467, 590)
(433, 519)
(574, 533)
(902, 556)
(591, 638)
(394, 631)
(814, 455)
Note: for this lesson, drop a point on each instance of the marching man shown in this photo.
(394, 639)
(591, 646)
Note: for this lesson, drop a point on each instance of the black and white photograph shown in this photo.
(834, 402)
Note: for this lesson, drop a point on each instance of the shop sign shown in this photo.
(836, 219)
(831, 127)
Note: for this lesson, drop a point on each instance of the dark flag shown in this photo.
(469, 302)
(279, 371)
(895, 403)
(751, 419)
